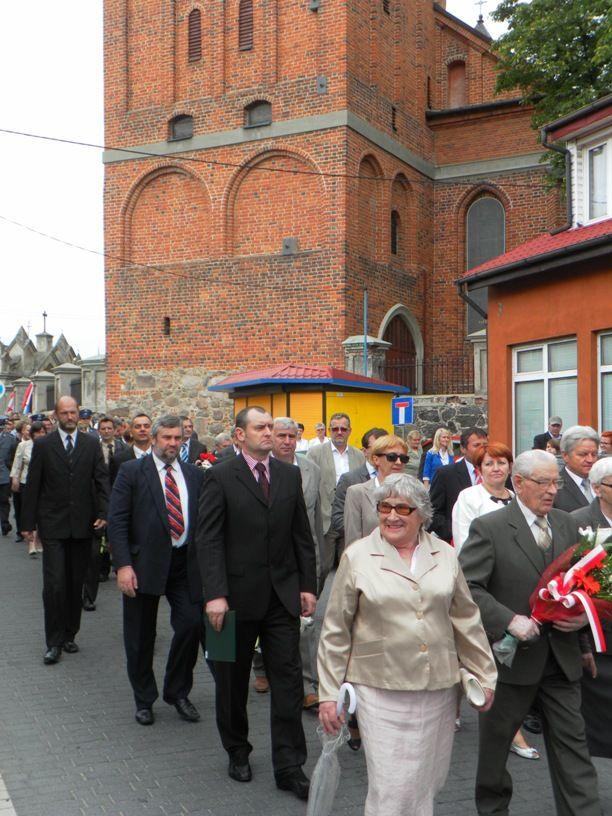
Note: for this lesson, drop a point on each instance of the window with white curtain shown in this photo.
(605, 381)
(598, 182)
(544, 385)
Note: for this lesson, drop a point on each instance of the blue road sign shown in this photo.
(402, 410)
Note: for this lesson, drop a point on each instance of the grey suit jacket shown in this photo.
(360, 513)
(311, 479)
(323, 456)
(502, 565)
(353, 477)
(570, 497)
(590, 516)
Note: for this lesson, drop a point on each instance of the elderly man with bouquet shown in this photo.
(504, 560)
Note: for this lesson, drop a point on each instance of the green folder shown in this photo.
(222, 645)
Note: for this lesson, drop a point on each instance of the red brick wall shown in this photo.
(213, 231)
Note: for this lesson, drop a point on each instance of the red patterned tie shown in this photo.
(477, 476)
(173, 504)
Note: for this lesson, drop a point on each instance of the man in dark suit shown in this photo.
(450, 480)
(358, 475)
(65, 497)
(257, 557)
(191, 447)
(579, 448)
(222, 441)
(503, 559)
(8, 446)
(140, 430)
(152, 522)
(555, 424)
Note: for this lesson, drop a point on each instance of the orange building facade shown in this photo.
(550, 301)
(267, 162)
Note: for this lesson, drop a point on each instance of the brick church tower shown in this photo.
(287, 154)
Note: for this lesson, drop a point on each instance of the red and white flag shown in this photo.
(26, 403)
(10, 406)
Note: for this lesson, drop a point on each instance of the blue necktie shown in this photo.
(184, 455)
(69, 445)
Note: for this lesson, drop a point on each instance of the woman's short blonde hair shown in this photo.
(436, 440)
(414, 434)
(383, 443)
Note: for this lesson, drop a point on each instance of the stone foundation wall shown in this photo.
(451, 411)
(177, 391)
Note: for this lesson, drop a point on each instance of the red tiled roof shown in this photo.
(545, 245)
(292, 373)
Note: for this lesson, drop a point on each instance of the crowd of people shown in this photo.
(431, 554)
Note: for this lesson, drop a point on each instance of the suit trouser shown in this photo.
(279, 634)
(574, 779)
(308, 655)
(17, 509)
(140, 628)
(5, 507)
(92, 576)
(334, 547)
(64, 564)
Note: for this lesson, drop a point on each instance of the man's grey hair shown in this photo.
(166, 421)
(286, 423)
(320, 426)
(600, 470)
(574, 435)
(222, 437)
(526, 462)
(403, 486)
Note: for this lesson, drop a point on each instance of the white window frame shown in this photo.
(601, 370)
(603, 139)
(544, 375)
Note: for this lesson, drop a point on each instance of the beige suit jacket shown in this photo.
(311, 478)
(323, 456)
(360, 513)
(388, 628)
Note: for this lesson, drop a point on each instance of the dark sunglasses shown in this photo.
(393, 457)
(401, 509)
(339, 430)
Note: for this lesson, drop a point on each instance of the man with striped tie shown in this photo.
(152, 521)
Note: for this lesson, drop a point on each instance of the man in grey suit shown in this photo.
(503, 560)
(579, 448)
(360, 475)
(334, 459)
(284, 443)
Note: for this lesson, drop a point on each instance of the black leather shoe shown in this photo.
(70, 647)
(532, 723)
(186, 710)
(89, 606)
(294, 781)
(52, 655)
(240, 769)
(144, 716)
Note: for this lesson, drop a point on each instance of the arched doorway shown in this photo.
(401, 365)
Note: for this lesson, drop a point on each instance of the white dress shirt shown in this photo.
(371, 469)
(182, 487)
(138, 453)
(341, 461)
(471, 471)
(302, 446)
(530, 518)
(64, 435)
(316, 441)
(471, 503)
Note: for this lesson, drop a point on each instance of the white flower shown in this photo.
(587, 534)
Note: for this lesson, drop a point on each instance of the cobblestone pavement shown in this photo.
(69, 745)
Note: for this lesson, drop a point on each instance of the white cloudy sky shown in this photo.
(51, 69)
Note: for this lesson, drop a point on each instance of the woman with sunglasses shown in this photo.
(399, 621)
(389, 455)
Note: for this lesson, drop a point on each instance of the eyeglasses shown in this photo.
(393, 457)
(401, 509)
(558, 483)
(339, 429)
(605, 484)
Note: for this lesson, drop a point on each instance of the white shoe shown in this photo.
(458, 724)
(526, 753)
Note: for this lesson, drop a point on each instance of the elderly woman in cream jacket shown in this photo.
(400, 619)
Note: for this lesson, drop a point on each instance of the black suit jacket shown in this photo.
(247, 547)
(503, 564)
(448, 482)
(64, 494)
(590, 516)
(540, 440)
(124, 455)
(570, 497)
(138, 525)
(195, 449)
(356, 476)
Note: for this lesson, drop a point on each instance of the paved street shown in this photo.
(69, 745)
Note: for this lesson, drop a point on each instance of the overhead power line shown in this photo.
(233, 165)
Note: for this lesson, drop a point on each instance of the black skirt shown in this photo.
(597, 706)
